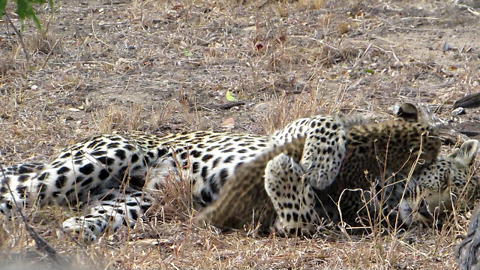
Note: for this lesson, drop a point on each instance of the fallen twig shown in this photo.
(468, 101)
(470, 9)
(220, 106)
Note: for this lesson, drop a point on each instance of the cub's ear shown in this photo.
(466, 153)
(407, 111)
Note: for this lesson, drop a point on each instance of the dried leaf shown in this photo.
(228, 123)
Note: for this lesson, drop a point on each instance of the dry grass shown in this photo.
(165, 66)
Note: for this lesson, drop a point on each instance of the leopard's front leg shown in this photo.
(292, 197)
(324, 149)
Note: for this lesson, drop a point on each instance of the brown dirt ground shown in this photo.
(165, 66)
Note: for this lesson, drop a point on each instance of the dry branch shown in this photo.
(467, 251)
(468, 101)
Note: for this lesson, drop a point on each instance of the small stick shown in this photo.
(50, 54)
(20, 37)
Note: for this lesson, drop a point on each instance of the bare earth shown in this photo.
(166, 66)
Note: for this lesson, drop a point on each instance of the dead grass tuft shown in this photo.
(173, 201)
(114, 118)
(6, 63)
(46, 43)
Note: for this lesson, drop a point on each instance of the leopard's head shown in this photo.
(448, 182)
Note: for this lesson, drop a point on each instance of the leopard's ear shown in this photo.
(466, 153)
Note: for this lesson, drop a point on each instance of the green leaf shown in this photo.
(187, 53)
(371, 71)
(229, 96)
(3, 5)
(52, 6)
(25, 11)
